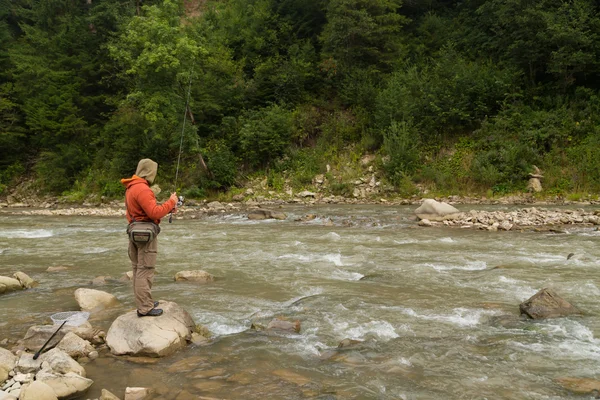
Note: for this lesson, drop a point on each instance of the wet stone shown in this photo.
(210, 373)
(209, 385)
(291, 377)
(187, 364)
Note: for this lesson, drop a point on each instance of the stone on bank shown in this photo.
(151, 336)
(433, 210)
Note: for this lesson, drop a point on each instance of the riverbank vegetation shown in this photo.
(456, 97)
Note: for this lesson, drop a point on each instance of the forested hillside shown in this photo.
(457, 96)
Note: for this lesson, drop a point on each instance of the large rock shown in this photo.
(65, 386)
(94, 300)
(260, 214)
(436, 211)
(151, 336)
(37, 390)
(75, 346)
(547, 304)
(198, 276)
(60, 362)
(9, 284)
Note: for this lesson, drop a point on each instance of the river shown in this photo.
(437, 320)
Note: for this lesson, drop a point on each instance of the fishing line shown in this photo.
(185, 112)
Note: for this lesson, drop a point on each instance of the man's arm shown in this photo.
(154, 211)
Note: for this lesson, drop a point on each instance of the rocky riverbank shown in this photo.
(536, 213)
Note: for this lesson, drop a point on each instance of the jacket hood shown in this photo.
(127, 182)
(147, 169)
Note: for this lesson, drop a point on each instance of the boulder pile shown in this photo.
(503, 220)
(19, 281)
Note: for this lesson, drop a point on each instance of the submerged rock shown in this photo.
(151, 336)
(435, 211)
(94, 300)
(279, 324)
(580, 385)
(547, 304)
(261, 214)
(197, 276)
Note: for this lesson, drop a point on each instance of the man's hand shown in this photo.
(175, 199)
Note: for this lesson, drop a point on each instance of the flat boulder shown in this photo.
(547, 304)
(151, 336)
(94, 300)
(197, 276)
(433, 210)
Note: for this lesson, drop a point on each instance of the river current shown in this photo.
(436, 318)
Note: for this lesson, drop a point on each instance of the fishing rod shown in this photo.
(185, 111)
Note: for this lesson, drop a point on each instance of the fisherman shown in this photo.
(144, 214)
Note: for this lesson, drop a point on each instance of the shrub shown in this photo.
(222, 164)
(265, 135)
(400, 144)
(450, 94)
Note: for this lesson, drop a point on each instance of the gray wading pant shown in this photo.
(143, 262)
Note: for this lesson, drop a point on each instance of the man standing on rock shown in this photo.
(144, 214)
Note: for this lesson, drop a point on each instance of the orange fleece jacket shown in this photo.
(141, 203)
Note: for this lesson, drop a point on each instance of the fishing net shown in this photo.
(72, 318)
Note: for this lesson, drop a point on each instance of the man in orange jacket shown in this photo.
(143, 210)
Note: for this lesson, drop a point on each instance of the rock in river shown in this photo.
(94, 300)
(151, 336)
(547, 304)
(197, 276)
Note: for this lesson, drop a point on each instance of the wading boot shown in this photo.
(155, 312)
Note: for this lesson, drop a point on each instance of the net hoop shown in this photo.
(72, 318)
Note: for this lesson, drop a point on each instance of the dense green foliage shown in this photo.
(456, 96)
